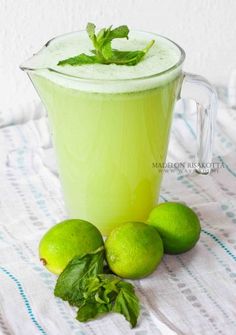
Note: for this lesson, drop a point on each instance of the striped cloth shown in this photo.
(193, 293)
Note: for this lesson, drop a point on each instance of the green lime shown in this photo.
(178, 226)
(66, 240)
(133, 250)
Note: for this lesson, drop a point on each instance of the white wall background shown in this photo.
(206, 29)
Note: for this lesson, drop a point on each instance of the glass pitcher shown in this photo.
(108, 133)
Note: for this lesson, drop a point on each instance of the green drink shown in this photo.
(110, 124)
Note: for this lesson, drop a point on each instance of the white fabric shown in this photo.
(193, 293)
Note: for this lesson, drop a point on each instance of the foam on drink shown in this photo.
(163, 56)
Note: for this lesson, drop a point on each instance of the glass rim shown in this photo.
(70, 76)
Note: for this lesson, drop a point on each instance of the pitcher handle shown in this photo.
(197, 88)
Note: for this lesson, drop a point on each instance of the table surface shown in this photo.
(193, 293)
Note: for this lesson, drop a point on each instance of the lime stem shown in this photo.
(43, 260)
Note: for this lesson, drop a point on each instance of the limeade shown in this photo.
(110, 125)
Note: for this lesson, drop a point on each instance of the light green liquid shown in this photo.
(106, 146)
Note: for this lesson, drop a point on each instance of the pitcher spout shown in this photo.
(40, 60)
(34, 63)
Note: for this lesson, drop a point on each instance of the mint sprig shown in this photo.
(103, 53)
(84, 284)
(69, 286)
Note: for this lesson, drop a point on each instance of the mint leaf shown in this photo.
(127, 57)
(107, 51)
(101, 288)
(127, 303)
(130, 57)
(92, 310)
(70, 283)
(83, 285)
(79, 60)
(105, 36)
(108, 293)
(119, 32)
(91, 31)
(101, 34)
(103, 52)
(99, 294)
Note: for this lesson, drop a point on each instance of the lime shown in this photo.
(66, 240)
(133, 250)
(178, 226)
